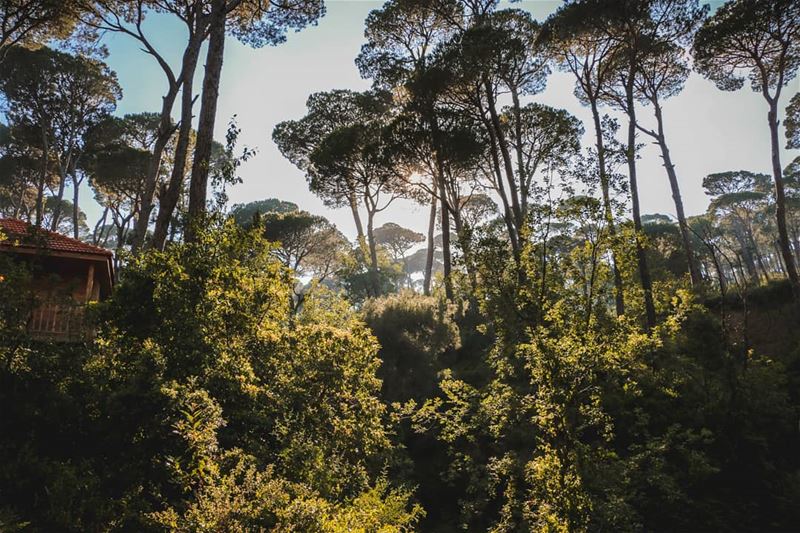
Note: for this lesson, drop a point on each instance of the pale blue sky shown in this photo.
(708, 130)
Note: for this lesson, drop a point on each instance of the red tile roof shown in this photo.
(19, 233)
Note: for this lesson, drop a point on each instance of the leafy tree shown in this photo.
(21, 175)
(419, 262)
(244, 214)
(61, 96)
(255, 23)
(327, 112)
(307, 244)
(397, 239)
(340, 146)
(117, 160)
(34, 22)
(402, 37)
(53, 207)
(520, 68)
(127, 19)
(588, 54)
(740, 196)
(634, 27)
(661, 74)
(415, 333)
(756, 40)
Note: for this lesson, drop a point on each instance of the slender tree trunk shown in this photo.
(723, 284)
(18, 207)
(506, 155)
(42, 178)
(747, 257)
(796, 239)
(694, 273)
(168, 200)
(619, 293)
(641, 257)
(523, 178)
(759, 256)
(446, 259)
(75, 209)
(445, 219)
(173, 227)
(373, 254)
(198, 184)
(62, 183)
(740, 278)
(501, 190)
(430, 255)
(445, 213)
(165, 131)
(780, 200)
(99, 228)
(373, 248)
(356, 217)
(780, 268)
(464, 240)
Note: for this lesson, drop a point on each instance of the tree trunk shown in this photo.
(373, 248)
(445, 214)
(99, 227)
(641, 257)
(694, 273)
(446, 260)
(373, 255)
(523, 178)
(780, 268)
(780, 201)
(62, 183)
(198, 184)
(619, 295)
(356, 217)
(169, 199)
(75, 210)
(18, 207)
(165, 131)
(503, 145)
(464, 240)
(747, 257)
(759, 256)
(796, 238)
(42, 177)
(720, 274)
(429, 257)
(501, 190)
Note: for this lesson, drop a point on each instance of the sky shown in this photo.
(708, 130)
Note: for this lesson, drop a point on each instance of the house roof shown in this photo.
(17, 233)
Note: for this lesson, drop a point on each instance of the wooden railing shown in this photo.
(58, 322)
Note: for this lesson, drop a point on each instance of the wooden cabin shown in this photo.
(67, 275)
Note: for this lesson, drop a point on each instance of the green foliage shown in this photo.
(580, 430)
(17, 301)
(750, 39)
(414, 333)
(360, 281)
(201, 404)
(243, 214)
(32, 23)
